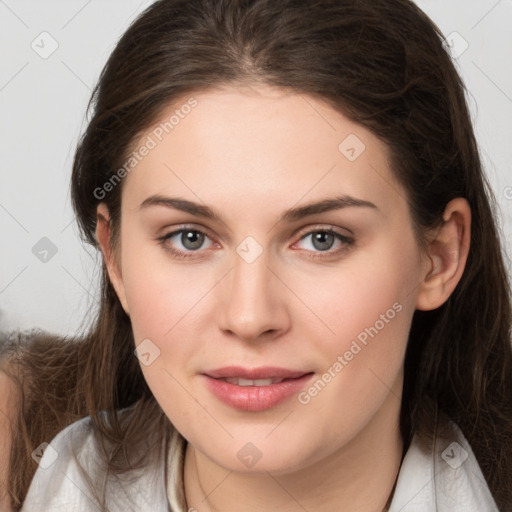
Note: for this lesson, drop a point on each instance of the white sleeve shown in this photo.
(59, 484)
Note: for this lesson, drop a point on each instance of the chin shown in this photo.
(261, 456)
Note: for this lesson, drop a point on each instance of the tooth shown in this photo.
(239, 381)
(263, 382)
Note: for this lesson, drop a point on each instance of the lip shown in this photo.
(255, 398)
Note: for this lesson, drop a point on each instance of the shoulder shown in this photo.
(442, 474)
(71, 473)
(59, 482)
(460, 475)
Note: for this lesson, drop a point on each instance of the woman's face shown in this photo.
(296, 254)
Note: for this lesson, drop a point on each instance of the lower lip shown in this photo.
(256, 398)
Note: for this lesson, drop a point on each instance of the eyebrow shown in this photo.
(290, 215)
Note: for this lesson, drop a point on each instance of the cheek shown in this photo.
(162, 301)
(167, 304)
(158, 292)
(369, 306)
(370, 293)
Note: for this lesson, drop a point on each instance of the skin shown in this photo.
(251, 153)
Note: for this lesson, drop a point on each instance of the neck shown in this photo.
(358, 477)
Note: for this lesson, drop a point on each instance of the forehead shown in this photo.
(254, 144)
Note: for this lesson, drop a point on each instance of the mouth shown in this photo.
(255, 389)
(239, 381)
(273, 373)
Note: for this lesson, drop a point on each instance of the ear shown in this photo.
(104, 238)
(448, 253)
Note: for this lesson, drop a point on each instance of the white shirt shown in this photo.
(442, 477)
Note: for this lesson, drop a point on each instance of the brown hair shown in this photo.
(45, 370)
(381, 63)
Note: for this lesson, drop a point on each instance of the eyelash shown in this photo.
(347, 241)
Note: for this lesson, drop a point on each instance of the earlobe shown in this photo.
(104, 239)
(447, 256)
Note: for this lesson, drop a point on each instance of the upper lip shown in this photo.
(263, 372)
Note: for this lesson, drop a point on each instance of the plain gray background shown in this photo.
(52, 54)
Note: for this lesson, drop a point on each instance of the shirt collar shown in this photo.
(441, 474)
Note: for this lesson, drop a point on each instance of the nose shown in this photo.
(253, 301)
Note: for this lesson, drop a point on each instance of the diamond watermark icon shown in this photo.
(249, 455)
(44, 250)
(249, 249)
(48, 451)
(146, 351)
(455, 44)
(351, 147)
(44, 45)
(454, 455)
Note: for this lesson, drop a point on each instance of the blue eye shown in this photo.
(190, 239)
(323, 240)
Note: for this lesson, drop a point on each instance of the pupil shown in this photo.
(192, 239)
(323, 240)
